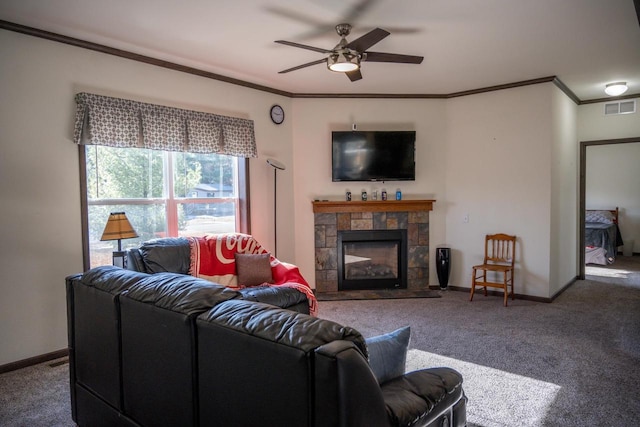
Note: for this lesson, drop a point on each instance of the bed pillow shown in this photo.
(604, 217)
(388, 354)
(253, 269)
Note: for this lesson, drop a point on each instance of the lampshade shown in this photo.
(343, 63)
(118, 227)
(276, 164)
(615, 89)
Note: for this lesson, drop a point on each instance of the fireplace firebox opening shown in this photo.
(372, 259)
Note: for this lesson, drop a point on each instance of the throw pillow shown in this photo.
(604, 217)
(253, 269)
(388, 354)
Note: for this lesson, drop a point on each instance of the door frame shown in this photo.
(583, 189)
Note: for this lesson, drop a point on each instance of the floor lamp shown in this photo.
(276, 167)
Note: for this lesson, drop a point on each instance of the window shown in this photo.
(198, 184)
(163, 194)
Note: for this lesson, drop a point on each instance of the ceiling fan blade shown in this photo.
(319, 28)
(296, 16)
(392, 57)
(395, 30)
(303, 46)
(358, 9)
(404, 30)
(308, 64)
(365, 42)
(354, 75)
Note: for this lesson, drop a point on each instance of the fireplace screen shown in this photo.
(372, 259)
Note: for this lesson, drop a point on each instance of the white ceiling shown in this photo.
(467, 44)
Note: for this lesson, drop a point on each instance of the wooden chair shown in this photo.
(499, 257)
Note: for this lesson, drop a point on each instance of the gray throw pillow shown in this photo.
(253, 269)
(388, 354)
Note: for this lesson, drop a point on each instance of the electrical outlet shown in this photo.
(465, 218)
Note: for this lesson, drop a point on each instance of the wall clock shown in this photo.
(277, 114)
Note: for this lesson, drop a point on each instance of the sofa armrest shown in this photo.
(134, 260)
(421, 397)
(346, 390)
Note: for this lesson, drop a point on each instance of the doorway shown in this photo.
(583, 192)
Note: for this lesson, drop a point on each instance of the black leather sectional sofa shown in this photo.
(168, 349)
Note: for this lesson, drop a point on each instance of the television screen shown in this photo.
(373, 156)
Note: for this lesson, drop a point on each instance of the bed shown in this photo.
(601, 236)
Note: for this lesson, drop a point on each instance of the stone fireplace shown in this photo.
(407, 270)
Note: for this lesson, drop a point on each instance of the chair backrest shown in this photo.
(500, 249)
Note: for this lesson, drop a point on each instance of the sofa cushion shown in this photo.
(283, 326)
(172, 255)
(420, 397)
(388, 354)
(111, 279)
(253, 269)
(280, 296)
(180, 293)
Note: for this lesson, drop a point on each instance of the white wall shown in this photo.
(594, 125)
(612, 172)
(564, 192)
(39, 176)
(498, 171)
(613, 179)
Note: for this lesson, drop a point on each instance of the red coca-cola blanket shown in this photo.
(213, 259)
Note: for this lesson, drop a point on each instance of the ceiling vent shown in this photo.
(620, 107)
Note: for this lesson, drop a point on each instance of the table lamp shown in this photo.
(118, 227)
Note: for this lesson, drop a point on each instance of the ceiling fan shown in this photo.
(318, 27)
(346, 57)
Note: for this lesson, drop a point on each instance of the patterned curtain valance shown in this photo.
(116, 122)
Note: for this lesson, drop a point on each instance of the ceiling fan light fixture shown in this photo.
(615, 89)
(341, 64)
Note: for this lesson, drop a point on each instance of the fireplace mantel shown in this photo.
(331, 217)
(338, 206)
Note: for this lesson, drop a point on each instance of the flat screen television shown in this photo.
(373, 156)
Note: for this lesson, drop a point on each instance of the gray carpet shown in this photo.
(36, 396)
(575, 362)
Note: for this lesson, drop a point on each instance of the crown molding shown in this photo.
(134, 56)
(206, 74)
(370, 95)
(609, 99)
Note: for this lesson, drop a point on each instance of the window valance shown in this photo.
(117, 122)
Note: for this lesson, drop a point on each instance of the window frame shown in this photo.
(243, 221)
